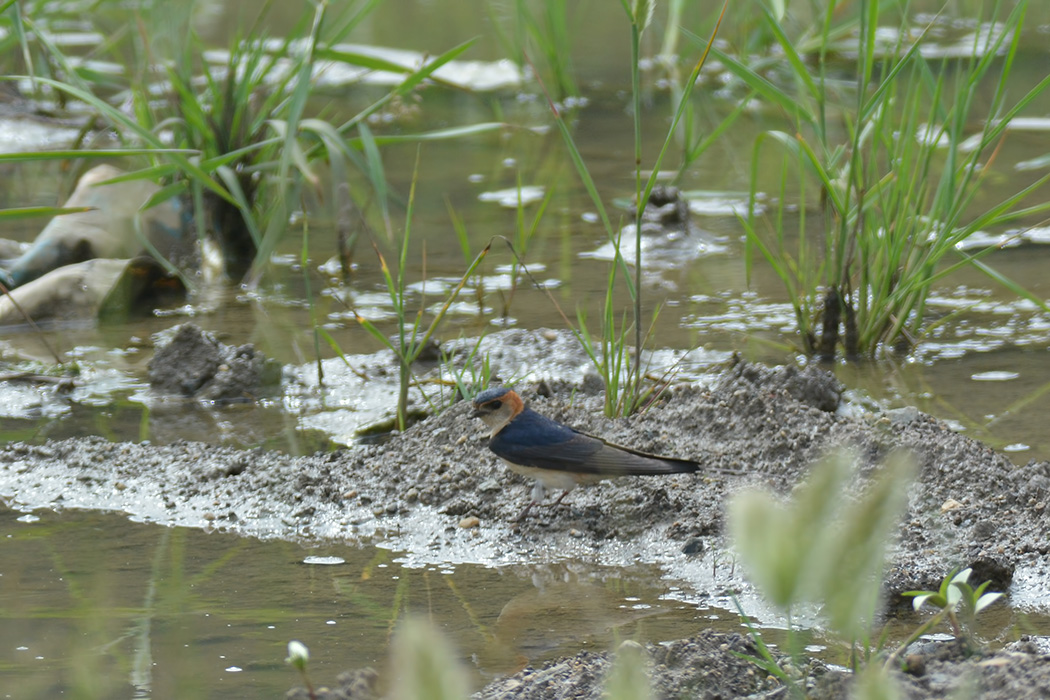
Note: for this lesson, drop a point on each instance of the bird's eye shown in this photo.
(495, 405)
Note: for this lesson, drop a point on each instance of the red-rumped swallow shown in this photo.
(556, 455)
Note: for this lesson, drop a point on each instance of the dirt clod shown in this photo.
(193, 363)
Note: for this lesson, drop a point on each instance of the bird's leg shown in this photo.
(538, 494)
(560, 499)
(524, 512)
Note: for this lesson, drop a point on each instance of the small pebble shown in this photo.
(489, 486)
(915, 664)
(412, 495)
(209, 516)
(469, 522)
(575, 533)
(549, 334)
(120, 486)
(352, 493)
(378, 511)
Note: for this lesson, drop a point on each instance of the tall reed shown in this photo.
(894, 197)
(412, 337)
(611, 356)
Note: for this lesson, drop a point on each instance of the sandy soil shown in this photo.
(437, 492)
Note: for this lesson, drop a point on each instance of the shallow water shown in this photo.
(95, 606)
(115, 608)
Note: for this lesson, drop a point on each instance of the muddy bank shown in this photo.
(707, 666)
(436, 494)
(419, 491)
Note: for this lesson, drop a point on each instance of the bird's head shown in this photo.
(497, 407)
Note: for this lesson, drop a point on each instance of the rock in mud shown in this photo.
(351, 685)
(112, 227)
(194, 364)
(87, 290)
(666, 208)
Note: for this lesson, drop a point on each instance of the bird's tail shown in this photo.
(659, 464)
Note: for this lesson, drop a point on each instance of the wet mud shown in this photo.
(710, 666)
(438, 495)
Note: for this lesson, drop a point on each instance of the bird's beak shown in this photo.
(476, 413)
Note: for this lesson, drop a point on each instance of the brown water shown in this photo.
(99, 607)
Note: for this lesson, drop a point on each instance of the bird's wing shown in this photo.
(532, 440)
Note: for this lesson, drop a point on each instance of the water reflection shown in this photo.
(568, 607)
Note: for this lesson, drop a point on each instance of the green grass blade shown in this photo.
(35, 212)
(90, 153)
(119, 118)
(376, 173)
(435, 135)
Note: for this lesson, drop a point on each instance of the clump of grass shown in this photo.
(527, 30)
(236, 139)
(618, 361)
(412, 337)
(248, 120)
(234, 130)
(957, 603)
(896, 174)
(228, 119)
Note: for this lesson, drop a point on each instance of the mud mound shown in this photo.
(969, 507)
(438, 494)
(193, 363)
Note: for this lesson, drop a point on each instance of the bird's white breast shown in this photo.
(553, 478)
